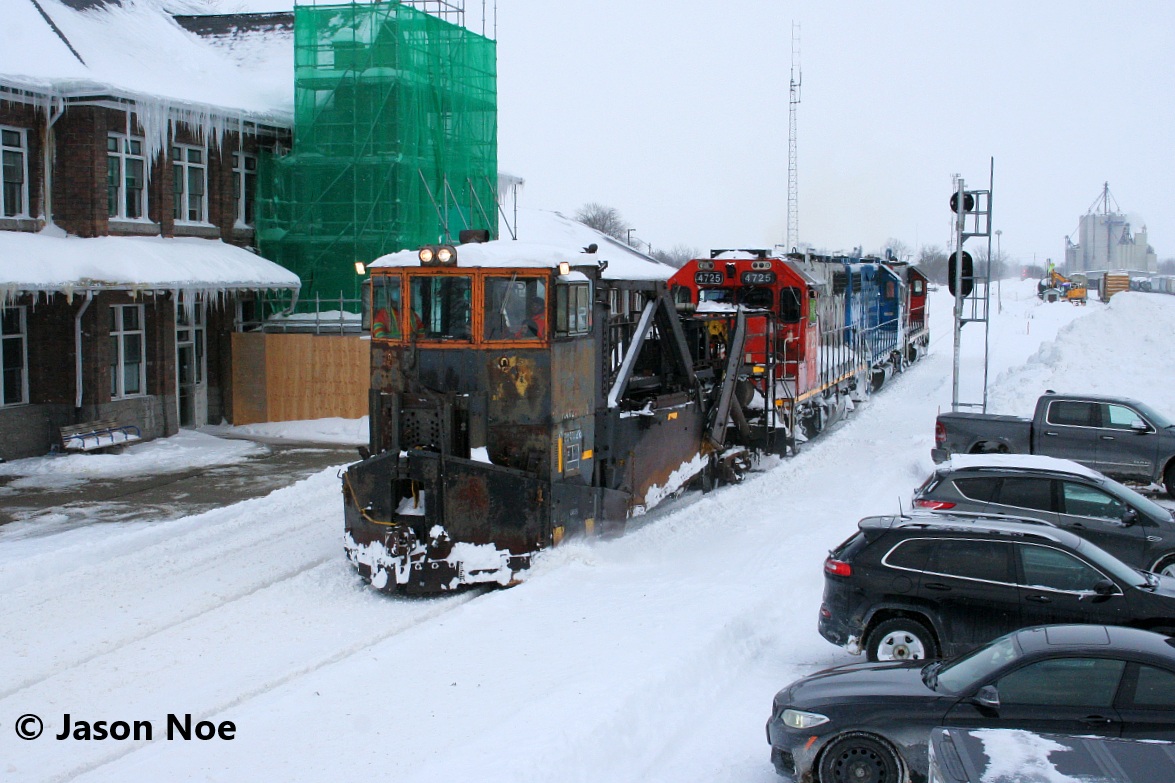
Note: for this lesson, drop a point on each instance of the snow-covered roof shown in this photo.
(136, 50)
(1025, 461)
(46, 262)
(544, 240)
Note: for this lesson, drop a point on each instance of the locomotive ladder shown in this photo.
(726, 405)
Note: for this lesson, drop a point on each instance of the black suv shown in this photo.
(1138, 531)
(930, 585)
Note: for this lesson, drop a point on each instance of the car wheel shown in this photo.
(1165, 565)
(860, 758)
(1169, 480)
(901, 639)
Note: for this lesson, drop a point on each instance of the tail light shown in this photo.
(933, 505)
(940, 433)
(837, 567)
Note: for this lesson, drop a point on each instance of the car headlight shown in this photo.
(798, 719)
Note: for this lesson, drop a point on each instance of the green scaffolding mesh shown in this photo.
(395, 142)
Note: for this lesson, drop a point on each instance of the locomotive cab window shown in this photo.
(385, 307)
(757, 298)
(791, 307)
(573, 308)
(515, 308)
(440, 307)
(916, 287)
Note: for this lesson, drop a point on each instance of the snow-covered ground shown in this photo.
(653, 656)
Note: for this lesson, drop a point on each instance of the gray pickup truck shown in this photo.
(1119, 437)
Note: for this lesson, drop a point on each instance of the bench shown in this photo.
(98, 434)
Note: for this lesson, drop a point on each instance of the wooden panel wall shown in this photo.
(289, 377)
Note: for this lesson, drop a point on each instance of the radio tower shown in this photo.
(797, 79)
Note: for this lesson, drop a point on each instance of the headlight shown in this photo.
(798, 719)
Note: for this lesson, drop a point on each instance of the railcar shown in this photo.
(522, 393)
(822, 332)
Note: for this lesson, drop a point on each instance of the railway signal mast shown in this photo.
(797, 78)
(972, 210)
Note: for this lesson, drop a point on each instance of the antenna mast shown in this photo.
(797, 79)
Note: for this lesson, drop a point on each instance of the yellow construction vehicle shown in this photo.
(1054, 287)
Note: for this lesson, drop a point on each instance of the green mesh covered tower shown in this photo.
(395, 142)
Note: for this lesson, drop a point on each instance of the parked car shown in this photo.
(925, 585)
(1138, 531)
(1124, 439)
(975, 755)
(871, 721)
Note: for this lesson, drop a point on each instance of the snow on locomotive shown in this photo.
(522, 393)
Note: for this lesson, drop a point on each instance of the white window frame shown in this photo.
(242, 175)
(6, 342)
(181, 168)
(6, 150)
(123, 154)
(119, 334)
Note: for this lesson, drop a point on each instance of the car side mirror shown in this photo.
(1104, 587)
(1140, 427)
(987, 697)
(1129, 516)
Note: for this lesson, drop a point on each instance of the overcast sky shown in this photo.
(676, 113)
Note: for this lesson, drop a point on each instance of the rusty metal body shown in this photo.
(489, 443)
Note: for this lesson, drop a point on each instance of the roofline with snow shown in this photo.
(78, 92)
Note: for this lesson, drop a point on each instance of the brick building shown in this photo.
(129, 142)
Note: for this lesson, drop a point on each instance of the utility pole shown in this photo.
(797, 79)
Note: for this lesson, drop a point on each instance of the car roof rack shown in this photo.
(970, 522)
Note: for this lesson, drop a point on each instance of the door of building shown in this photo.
(190, 377)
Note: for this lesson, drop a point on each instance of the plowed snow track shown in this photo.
(650, 657)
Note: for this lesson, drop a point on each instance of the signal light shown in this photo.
(940, 433)
(968, 282)
(837, 567)
(968, 201)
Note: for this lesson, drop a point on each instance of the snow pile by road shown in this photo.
(344, 432)
(187, 450)
(1121, 349)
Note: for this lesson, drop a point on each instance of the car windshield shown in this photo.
(1140, 502)
(1111, 565)
(962, 673)
(1156, 418)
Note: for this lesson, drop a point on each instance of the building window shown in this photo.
(128, 365)
(14, 169)
(14, 357)
(190, 178)
(244, 186)
(126, 192)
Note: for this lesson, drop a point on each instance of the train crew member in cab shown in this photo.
(386, 324)
(535, 325)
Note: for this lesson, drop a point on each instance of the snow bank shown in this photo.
(186, 450)
(1120, 348)
(344, 432)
